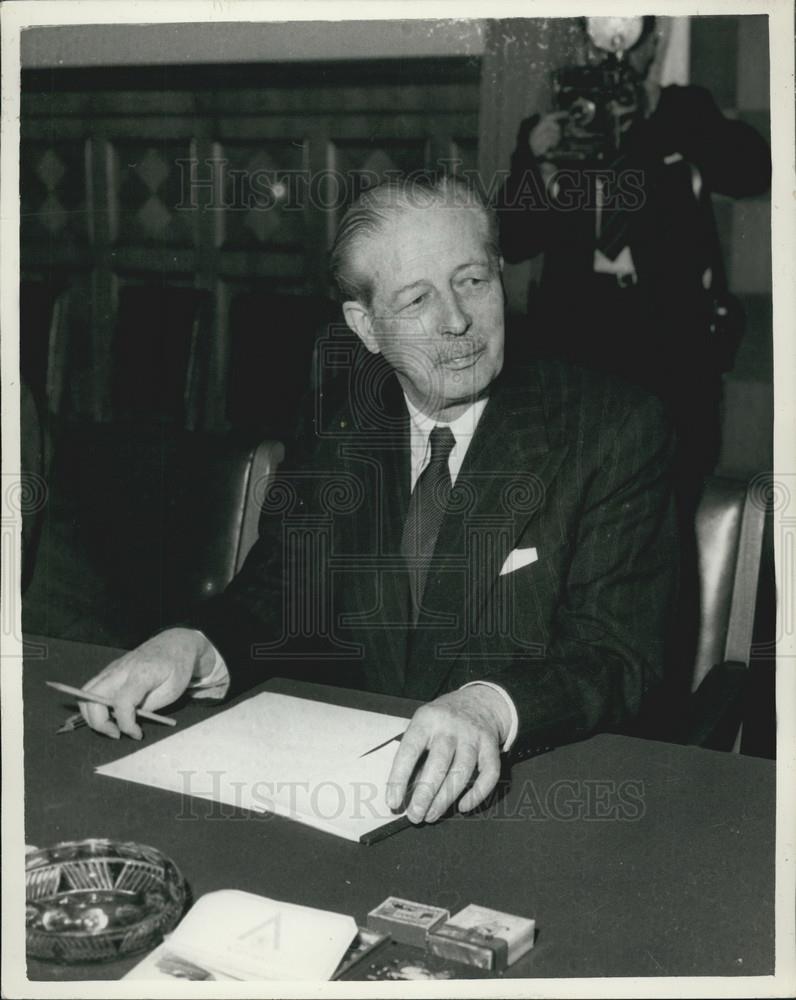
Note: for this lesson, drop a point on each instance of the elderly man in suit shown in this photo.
(500, 545)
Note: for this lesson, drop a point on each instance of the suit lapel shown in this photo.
(500, 488)
(376, 598)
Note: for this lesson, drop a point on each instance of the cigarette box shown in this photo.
(485, 938)
(406, 921)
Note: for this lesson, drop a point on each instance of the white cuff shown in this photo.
(515, 719)
(216, 684)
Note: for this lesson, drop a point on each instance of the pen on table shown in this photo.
(72, 723)
(99, 700)
(379, 746)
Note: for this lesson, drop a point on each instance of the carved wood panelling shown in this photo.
(229, 180)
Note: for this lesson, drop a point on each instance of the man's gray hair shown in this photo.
(372, 210)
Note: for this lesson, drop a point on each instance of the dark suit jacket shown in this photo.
(569, 463)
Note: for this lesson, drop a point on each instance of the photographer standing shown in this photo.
(613, 186)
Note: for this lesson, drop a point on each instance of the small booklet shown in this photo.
(234, 935)
(303, 759)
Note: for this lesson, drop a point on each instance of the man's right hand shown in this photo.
(546, 134)
(149, 677)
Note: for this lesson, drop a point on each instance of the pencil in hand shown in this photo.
(97, 699)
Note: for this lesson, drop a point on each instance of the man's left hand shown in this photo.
(461, 734)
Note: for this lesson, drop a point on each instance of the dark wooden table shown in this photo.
(635, 858)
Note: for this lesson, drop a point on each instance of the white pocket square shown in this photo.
(518, 558)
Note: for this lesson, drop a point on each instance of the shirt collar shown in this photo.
(463, 427)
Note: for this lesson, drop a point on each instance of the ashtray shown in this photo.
(97, 900)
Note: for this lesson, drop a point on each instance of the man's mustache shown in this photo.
(460, 348)
(433, 349)
(432, 352)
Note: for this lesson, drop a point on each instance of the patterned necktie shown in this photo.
(426, 510)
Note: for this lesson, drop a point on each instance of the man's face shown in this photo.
(437, 309)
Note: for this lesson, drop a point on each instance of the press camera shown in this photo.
(602, 101)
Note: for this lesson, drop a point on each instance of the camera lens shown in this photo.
(582, 111)
(625, 95)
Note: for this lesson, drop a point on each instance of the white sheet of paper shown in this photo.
(277, 753)
(349, 801)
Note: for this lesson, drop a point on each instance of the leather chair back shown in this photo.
(729, 534)
(141, 525)
(272, 337)
(43, 309)
(159, 354)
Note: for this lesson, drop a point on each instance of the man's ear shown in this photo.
(358, 319)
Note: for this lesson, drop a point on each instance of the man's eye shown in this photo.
(416, 301)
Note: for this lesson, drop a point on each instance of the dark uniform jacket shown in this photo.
(658, 332)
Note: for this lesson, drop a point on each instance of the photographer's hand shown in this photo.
(546, 134)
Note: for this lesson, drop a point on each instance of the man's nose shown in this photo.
(455, 319)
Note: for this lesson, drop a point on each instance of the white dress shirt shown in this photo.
(420, 428)
(216, 684)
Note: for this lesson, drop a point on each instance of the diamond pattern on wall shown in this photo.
(51, 169)
(52, 192)
(262, 220)
(152, 170)
(379, 163)
(360, 164)
(154, 218)
(52, 215)
(265, 194)
(374, 161)
(151, 187)
(271, 133)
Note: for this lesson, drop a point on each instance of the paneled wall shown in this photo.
(231, 178)
(225, 179)
(729, 56)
